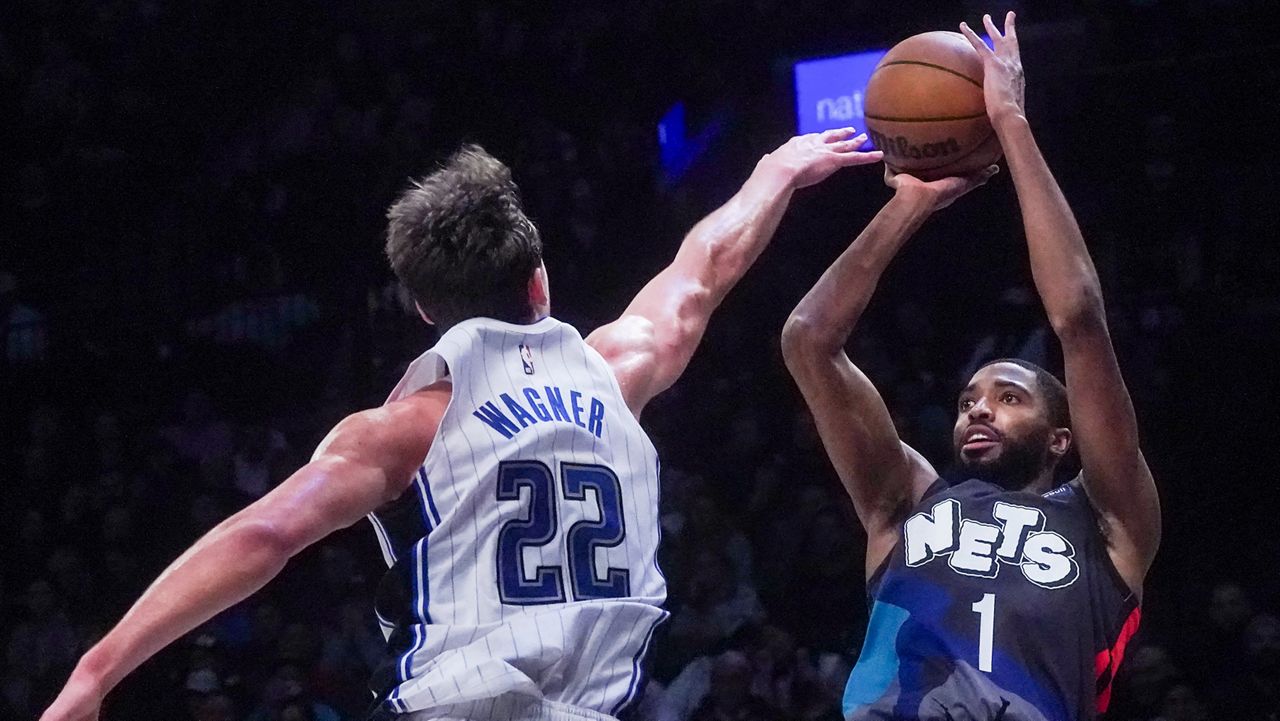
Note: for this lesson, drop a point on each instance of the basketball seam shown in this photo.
(943, 68)
(939, 119)
(952, 161)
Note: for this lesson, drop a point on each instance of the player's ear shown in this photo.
(540, 292)
(423, 314)
(1060, 442)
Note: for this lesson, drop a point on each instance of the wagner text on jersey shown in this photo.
(551, 405)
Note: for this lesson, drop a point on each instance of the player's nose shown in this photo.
(980, 410)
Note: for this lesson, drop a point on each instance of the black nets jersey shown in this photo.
(995, 604)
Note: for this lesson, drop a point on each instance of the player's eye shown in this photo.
(966, 404)
(1009, 398)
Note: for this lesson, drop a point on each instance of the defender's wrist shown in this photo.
(96, 668)
(775, 171)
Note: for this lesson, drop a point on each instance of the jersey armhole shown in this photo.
(1113, 574)
(873, 581)
(438, 440)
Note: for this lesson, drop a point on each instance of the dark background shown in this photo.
(192, 290)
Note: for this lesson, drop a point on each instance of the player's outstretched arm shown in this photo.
(882, 475)
(1115, 474)
(367, 460)
(650, 345)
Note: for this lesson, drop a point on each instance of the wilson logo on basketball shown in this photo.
(926, 110)
(900, 147)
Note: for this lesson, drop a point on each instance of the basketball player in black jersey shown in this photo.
(1000, 597)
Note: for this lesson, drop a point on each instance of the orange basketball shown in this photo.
(925, 109)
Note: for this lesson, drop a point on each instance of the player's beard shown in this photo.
(1020, 462)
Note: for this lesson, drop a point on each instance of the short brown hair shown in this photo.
(460, 243)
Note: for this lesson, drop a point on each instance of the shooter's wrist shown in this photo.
(1008, 121)
(914, 201)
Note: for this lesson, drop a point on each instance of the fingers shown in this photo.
(992, 31)
(837, 134)
(980, 177)
(974, 40)
(848, 145)
(848, 153)
(890, 176)
(1000, 41)
(867, 158)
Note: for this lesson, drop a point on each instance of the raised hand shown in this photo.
(1003, 83)
(812, 158)
(939, 193)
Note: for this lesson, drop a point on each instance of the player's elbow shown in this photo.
(722, 254)
(794, 336)
(265, 540)
(697, 300)
(689, 321)
(1083, 313)
(804, 340)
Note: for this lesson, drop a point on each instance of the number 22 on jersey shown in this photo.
(538, 527)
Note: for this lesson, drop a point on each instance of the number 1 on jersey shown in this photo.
(986, 610)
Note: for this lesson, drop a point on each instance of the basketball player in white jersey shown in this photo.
(512, 491)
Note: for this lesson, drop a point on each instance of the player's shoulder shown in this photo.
(934, 490)
(425, 405)
(1070, 492)
(408, 424)
(414, 416)
(625, 335)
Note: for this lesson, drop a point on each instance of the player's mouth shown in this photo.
(978, 440)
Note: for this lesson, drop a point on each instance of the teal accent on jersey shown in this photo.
(878, 665)
(994, 604)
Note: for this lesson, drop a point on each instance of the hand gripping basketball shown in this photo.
(1003, 83)
(926, 110)
(938, 193)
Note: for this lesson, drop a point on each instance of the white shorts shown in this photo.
(509, 707)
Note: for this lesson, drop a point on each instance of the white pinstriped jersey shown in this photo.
(522, 560)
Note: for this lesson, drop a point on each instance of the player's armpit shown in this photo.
(367, 460)
(1114, 472)
(651, 344)
(884, 477)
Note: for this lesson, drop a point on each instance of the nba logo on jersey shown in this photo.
(526, 357)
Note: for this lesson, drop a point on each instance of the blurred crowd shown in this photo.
(191, 294)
